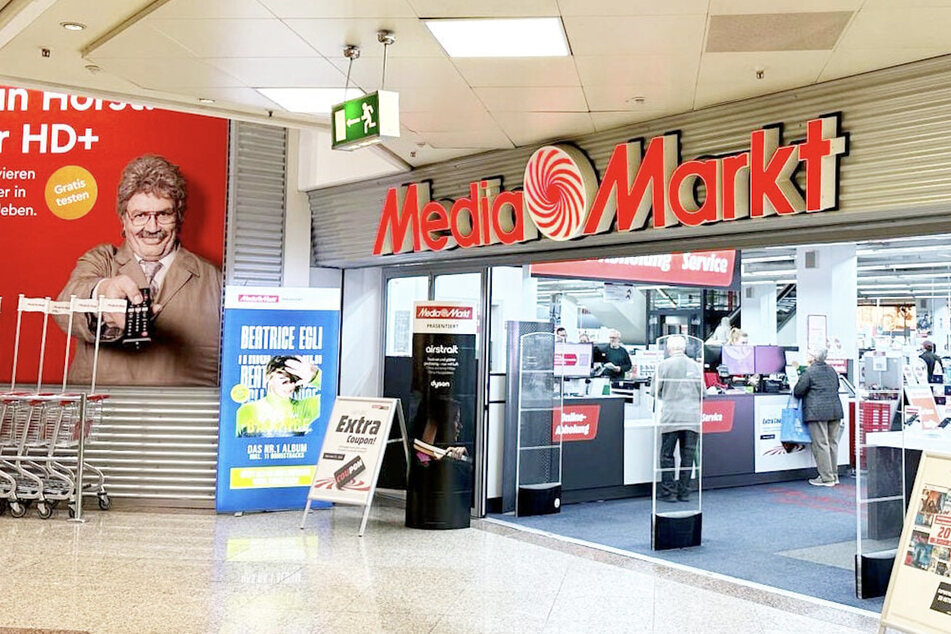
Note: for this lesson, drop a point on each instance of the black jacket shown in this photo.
(930, 359)
(818, 388)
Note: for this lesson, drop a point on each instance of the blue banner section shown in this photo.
(279, 367)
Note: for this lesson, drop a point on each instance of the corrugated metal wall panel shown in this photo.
(158, 443)
(899, 166)
(256, 219)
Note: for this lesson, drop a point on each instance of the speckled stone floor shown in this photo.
(178, 572)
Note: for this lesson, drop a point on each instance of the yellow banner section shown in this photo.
(271, 477)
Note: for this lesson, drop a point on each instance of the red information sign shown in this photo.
(702, 268)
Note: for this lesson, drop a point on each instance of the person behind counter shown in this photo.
(617, 362)
(738, 337)
(818, 387)
(932, 361)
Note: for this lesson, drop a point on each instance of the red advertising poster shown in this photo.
(701, 268)
(61, 161)
(718, 416)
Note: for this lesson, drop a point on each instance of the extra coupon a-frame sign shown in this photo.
(350, 458)
(919, 590)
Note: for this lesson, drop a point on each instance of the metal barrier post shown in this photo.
(80, 462)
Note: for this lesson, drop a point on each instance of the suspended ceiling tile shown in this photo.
(608, 70)
(527, 128)
(415, 151)
(284, 72)
(484, 8)
(339, 8)
(163, 74)
(533, 98)
(652, 34)
(522, 71)
(610, 120)
(874, 5)
(234, 38)
(139, 40)
(243, 96)
(402, 72)
(722, 7)
(460, 98)
(448, 120)
(730, 76)
(633, 7)
(776, 31)
(798, 68)
(845, 62)
(481, 140)
(329, 36)
(179, 9)
(899, 28)
(656, 97)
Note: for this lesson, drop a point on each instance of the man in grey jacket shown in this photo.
(678, 385)
(818, 387)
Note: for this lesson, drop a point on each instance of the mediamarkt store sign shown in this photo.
(562, 200)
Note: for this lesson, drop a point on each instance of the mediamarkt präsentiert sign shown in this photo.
(561, 198)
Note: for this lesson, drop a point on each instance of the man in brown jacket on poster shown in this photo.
(186, 290)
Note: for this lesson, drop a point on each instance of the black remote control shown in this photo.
(138, 321)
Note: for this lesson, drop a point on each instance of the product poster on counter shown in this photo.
(64, 157)
(279, 371)
(439, 492)
(774, 455)
(919, 590)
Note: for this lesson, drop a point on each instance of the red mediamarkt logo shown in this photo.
(562, 199)
(443, 312)
(575, 422)
(718, 416)
(259, 299)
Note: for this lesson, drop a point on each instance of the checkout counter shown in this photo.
(608, 449)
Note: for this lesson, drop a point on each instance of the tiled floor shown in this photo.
(158, 572)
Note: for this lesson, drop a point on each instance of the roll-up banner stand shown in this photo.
(278, 384)
(442, 426)
(919, 591)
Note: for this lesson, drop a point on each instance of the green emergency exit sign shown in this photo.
(366, 120)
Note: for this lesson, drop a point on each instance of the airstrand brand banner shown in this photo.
(278, 384)
(439, 491)
(702, 268)
(643, 185)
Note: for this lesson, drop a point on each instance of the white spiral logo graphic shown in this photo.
(557, 181)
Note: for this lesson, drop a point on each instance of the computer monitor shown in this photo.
(738, 359)
(573, 359)
(769, 359)
(712, 356)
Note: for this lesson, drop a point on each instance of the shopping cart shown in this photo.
(63, 434)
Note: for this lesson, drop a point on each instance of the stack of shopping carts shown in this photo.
(39, 433)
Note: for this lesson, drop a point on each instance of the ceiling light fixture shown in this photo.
(73, 26)
(309, 100)
(205, 100)
(505, 37)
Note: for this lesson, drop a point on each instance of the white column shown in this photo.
(296, 219)
(826, 284)
(941, 321)
(758, 313)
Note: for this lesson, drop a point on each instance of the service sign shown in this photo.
(919, 591)
(353, 448)
(702, 268)
(643, 185)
